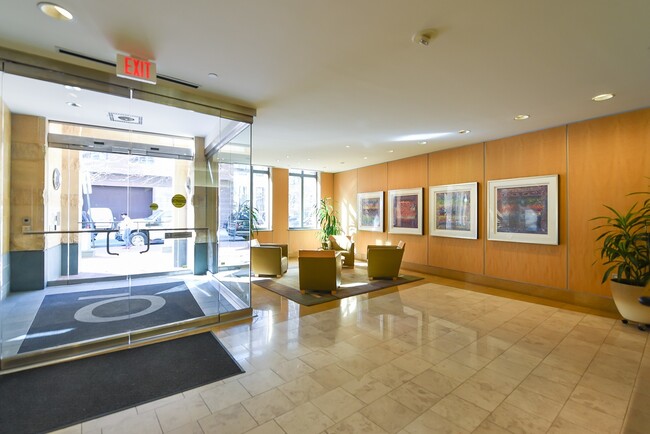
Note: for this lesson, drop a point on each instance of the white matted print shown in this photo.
(523, 210)
(405, 211)
(370, 208)
(453, 210)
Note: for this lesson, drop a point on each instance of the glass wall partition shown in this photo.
(231, 177)
(114, 220)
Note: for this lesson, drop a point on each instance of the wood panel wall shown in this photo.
(410, 173)
(608, 158)
(369, 179)
(598, 162)
(532, 154)
(456, 166)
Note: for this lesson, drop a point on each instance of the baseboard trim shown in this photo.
(591, 301)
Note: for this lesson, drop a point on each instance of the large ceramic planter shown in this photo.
(626, 298)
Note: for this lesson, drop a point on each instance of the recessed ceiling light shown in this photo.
(347, 146)
(73, 104)
(75, 88)
(464, 131)
(603, 97)
(213, 75)
(365, 158)
(521, 117)
(55, 11)
(423, 142)
(390, 151)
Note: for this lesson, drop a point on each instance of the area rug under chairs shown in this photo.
(354, 281)
(78, 316)
(53, 397)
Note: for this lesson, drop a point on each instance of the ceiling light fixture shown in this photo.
(213, 75)
(390, 152)
(73, 104)
(75, 88)
(464, 131)
(603, 97)
(55, 11)
(423, 142)
(521, 117)
(424, 37)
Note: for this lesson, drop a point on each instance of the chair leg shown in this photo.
(333, 291)
(302, 291)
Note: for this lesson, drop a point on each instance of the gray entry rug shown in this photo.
(53, 397)
(354, 281)
(78, 316)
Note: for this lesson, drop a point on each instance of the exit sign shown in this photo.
(136, 69)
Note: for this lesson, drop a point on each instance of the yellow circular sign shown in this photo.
(179, 201)
(153, 206)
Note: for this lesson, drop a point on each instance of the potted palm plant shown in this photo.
(625, 251)
(327, 221)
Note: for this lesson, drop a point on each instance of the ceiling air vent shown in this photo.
(126, 119)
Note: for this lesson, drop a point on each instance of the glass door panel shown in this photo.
(231, 175)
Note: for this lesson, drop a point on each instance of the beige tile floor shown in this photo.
(427, 358)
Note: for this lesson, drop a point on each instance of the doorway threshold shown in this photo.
(94, 277)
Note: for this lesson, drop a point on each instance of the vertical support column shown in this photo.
(70, 211)
(27, 203)
(5, 158)
(199, 182)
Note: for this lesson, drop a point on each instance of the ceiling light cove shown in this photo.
(420, 137)
(55, 11)
(603, 97)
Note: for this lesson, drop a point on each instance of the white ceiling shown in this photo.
(336, 83)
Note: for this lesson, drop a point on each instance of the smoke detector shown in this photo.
(424, 37)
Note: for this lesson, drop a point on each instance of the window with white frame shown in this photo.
(262, 196)
(303, 199)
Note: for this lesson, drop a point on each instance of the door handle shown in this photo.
(108, 245)
(148, 243)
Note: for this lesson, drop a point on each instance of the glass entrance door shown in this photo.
(113, 230)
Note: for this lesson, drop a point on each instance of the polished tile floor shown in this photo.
(427, 357)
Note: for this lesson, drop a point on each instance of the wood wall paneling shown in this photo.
(302, 239)
(345, 200)
(456, 166)
(372, 178)
(280, 204)
(369, 179)
(608, 158)
(410, 173)
(532, 154)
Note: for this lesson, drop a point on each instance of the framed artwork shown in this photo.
(405, 211)
(524, 210)
(370, 208)
(453, 210)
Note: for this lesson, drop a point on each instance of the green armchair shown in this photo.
(269, 259)
(385, 261)
(319, 270)
(345, 245)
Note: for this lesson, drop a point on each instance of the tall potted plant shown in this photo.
(625, 251)
(328, 221)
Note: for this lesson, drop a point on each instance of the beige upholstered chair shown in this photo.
(319, 270)
(385, 261)
(269, 259)
(345, 245)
